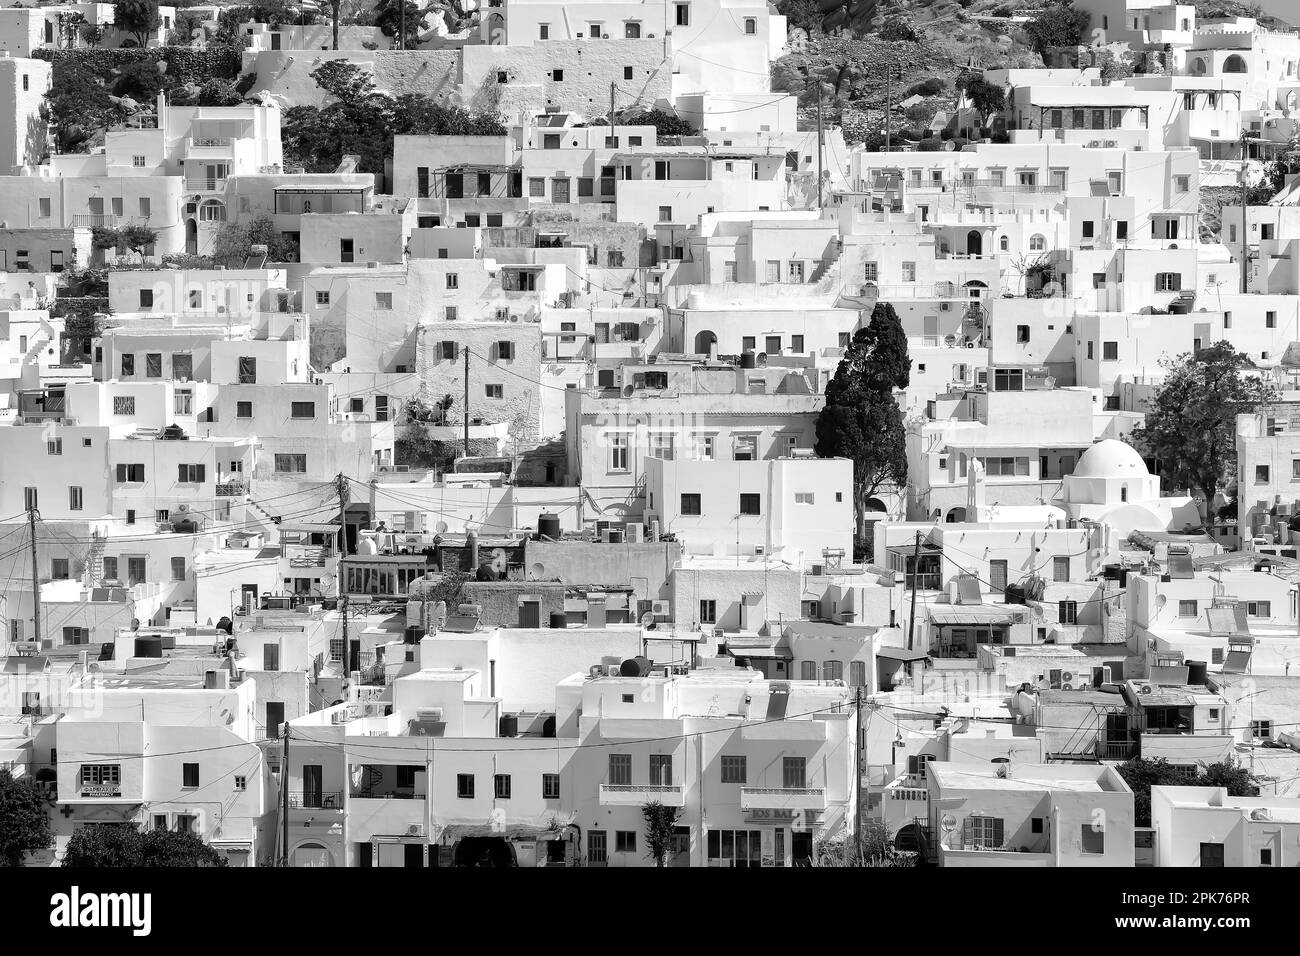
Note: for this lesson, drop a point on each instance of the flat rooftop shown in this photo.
(1020, 777)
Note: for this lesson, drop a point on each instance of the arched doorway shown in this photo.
(191, 237)
(974, 243)
(955, 515)
(311, 855)
(874, 504)
(1234, 64)
(704, 342)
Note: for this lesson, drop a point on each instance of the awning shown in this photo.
(904, 654)
(774, 651)
(972, 614)
(511, 831)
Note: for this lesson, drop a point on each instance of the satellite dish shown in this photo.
(442, 527)
(648, 621)
(948, 822)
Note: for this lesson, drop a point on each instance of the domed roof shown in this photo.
(1111, 459)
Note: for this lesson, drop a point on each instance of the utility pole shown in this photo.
(820, 141)
(857, 780)
(1245, 247)
(916, 573)
(342, 482)
(889, 104)
(613, 135)
(284, 793)
(466, 401)
(36, 578)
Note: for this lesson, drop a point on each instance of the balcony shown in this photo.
(782, 798)
(636, 795)
(205, 184)
(315, 800)
(307, 557)
(90, 220)
(231, 489)
(1116, 749)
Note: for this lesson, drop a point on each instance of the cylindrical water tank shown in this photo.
(548, 525)
(747, 359)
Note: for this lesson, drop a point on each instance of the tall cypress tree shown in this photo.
(861, 420)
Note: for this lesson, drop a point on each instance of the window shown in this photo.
(191, 474)
(733, 770)
(618, 451)
(146, 298)
(737, 848)
(494, 391)
(1270, 320)
(794, 272)
(550, 786)
(794, 773)
(1008, 380)
(501, 786)
(620, 770)
(384, 301)
(750, 504)
(101, 775)
(1169, 281)
(683, 11)
(1022, 333)
(1261, 474)
(796, 344)
(137, 161)
(832, 670)
(909, 271)
(1061, 568)
(1261, 729)
(189, 775)
(303, 409)
(54, 446)
(857, 673)
(1182, 184)
(243, 409)
(123, 404)
(624, 841)
(1067, 612)
(665, 213)
(1259, 608)
(465, 786)
(745, 448)
(627, 75)
(805, 497)
(130, 473)
(661, 770)
(1093, 838)
(322, 298)
(128, 365)
(241, 783)
(1087, 229)
(661, 446)
(983, 833)
(1037, 243)
(708, 612)
(448, 351)
(291, 463)
(247, 370)
(44, 207)
(345, 247)
(74, 498)
(557, 76)
(183, 402)
(1110, 351)
(807, 670)
(59, 569)
(1187, 609)
(1265, 856)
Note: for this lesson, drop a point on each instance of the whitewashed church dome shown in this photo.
(1111, 458)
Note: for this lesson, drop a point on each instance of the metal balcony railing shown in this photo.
(315, 800)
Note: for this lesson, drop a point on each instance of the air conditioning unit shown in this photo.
(759, 549)
(596, 670)
(415, 829)
(635, 532)
(659, 608)
(433, 714)
(613, 670)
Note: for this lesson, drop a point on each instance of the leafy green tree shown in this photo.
(218, 92)
(142, 81)
(1059, 23)
(871, 848)
(1142, 773)
(78, 104)
(24, 818)
(124, 846)
(388, 17)
(140, 18)
(234, 242)
(1190, 427)
(660, 828)
(988, 98)
(665, 124)
(861, 419)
